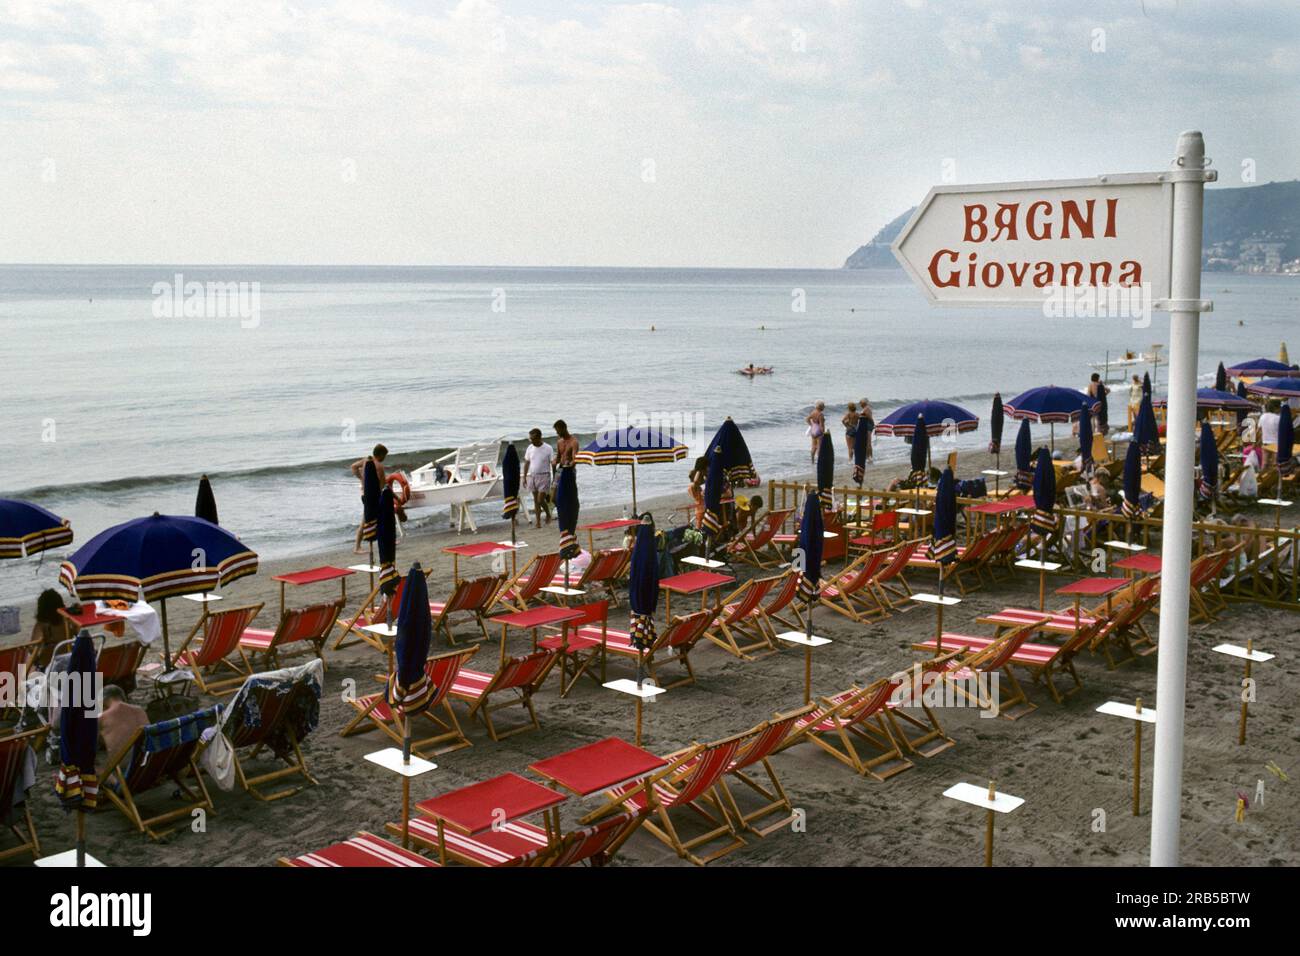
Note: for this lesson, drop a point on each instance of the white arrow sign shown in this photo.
(1019, 243)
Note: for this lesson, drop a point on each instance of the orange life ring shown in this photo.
(402, 494)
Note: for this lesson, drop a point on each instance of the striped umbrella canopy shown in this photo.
(643, 586)
(996, 417)
(1276, 387)
(1085, 439)
(1209, 461)
(1132, 480)
(566, 510)
(812, 530)
(1024, 456)
(510, 482)
(826, 471)
(386, 542)
(860, 460)
(920, 447)
(27, 529)
(370, 501)
(737, 465)
(943, 541)
(1214, 398)
(76, 782)
(1286, 443)
(1146, 432)
(938, 416)
(1221, 379)
(1049, 405)
(631, 446)
(205, 502)
(1044, 518)
(409, 687)
(1264, 368)
(714, 481)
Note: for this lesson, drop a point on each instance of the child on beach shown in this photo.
(537, 474)
(377, 455)
(816, 426)
(850, 423)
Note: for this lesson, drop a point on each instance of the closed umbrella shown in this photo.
(808, 563)
(1085, 442)
(1146, 384)
(826, 471)
(386, 542)
(737, 465)
(920, 448)
(409, 687)
(1102, 408)
(76, 783)
(643, 590)
(1132, 481)
(1221, 378)
(630, 446)
(370, 502)
(943, 541)
(1209, 463)
(566, 510)
(1044, 518)
(205, 503)
(860, 461)
(1146, 433)
(996, 418)
(1286, 464)
(27, 529)
(714, 481)
(1024, 457)
(510, 487)
(1242, 393)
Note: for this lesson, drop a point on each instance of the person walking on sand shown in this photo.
(816, 426)
(850, 422)
(699, 474)
(866, 425)
(566, 448)
(377, 455)
(537, 474)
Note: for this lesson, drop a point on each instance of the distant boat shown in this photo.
(757, 370)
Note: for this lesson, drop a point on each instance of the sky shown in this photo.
(559, 132)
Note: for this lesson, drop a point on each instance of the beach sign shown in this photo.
(1020, 243)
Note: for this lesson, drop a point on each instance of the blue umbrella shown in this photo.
(939, 418)
(1024, 457)
(737, 465)
(860, 459)
(714, 480)
(1286, 465)
(1049, 405)
(1214, 398)
(1242, 393)
(370, 501)
(1103, 408)
(643, 588)
(409, 687)
(996, 417)
(205, 502)
(566, 509)
(76, 784)
(1085, 440)
(1221, 379)
(628, 446)
(1145, 430)
(27, 529)
(826, 471)
(1146, 384)
(386, 542)
(154, 558)
(1132, 480)
(1277, 387)
(920, 447)
(1263, 367)
(811, 541)
(1044, 518)
(1209, 462)
(943, 542)
(510, 486)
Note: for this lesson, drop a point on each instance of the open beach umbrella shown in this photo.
(369, 501)
(630, 446)
(510, 487)
(205, 503)
(1209, 462)
(27, 529)
(1085, 441)
(1264, 368)
(996, 418)
(1221, 379)
(1024, 457)
(154, 558)
(643, 588)
(939, 417)
(920, 447)
(1286, 464)
(386, 542)
(714, 480)
(860, 461)
(1276, 387)
(1213, 398)
(826, 471)
(1049, 405)
(737, 465)
(566, 513)
(77, 784)
(1132, 480)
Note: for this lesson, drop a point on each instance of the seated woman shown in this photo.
(49, 628)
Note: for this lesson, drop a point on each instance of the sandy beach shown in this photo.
(1071, 764)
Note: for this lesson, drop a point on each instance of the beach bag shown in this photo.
(218, 759)
(1248, 483)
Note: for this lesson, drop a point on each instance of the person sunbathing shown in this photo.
(118, 721)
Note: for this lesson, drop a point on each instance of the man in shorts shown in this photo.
(537, 474)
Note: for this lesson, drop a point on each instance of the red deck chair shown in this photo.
(975, 666)
(783, 598)
(310, 625)
(473, 596)
(1005, 551)
(522, 675)
(855, 717)
(1206, 604)
(850, 593)
(759, 548)
(742, 619)
(262, 715)
(1054, 622)
(221, 633)
(594, 845)
(759, 744)
(876, 537)
(606, 570)
(890, 585)
(119, 662)
(526, 586)
(373, 710)
(690, 781)
(363, 850)
(378, 608)
(584, 645)
(969, 560)
(678, 639)
(832, 549)
(15, 661)
(929, 738)
(13, 756)
(518, 843)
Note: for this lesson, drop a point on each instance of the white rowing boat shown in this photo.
(457, 480)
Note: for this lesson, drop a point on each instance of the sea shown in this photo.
(123, 384)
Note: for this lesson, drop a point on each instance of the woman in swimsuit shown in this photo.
(698, 475)
(866, 425)
(850, 422)
(816, 425)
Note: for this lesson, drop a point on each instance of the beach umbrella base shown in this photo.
(393, 758)
(1136, 713)
(644, 692)
(990, 800)
(1250, 656)
(67, 858)
(807, 642)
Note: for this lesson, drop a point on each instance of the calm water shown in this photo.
(110, 412)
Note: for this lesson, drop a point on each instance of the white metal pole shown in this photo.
(1176, 548)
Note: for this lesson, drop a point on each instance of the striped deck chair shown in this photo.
(742, 619)
(759, 548)
(606, 569)
(850, 592)
(377, 608)
(528, 583)
(975, 667)
(218, 634)
(594, 845)
(901, 712)
(783, 598)
(310, 626)
(119, 662)
(855, 717)
(1206, 602)
(155, 756)
(678, 639)
(1004, 552)
(969, 559)
(274, 711)
(517, 843)
(373, 710)
(890, 585)
(522, 675)
(1124, 631)
(690, 781)
(15, 662)
(1053, 622)
(760, 744)
(13, 757)
(584, 645)
(363, 850)
(473, 596)
(832, 549)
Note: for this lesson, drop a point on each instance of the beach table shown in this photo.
(1043, 568)
(807, 642)
(990, 800)
(940, 601)
(1093, 587)
(997, 510)
(480, 807)
(478, 549)
(88, 617)
(1139, 716)
(1250, 656)
(534, 619)
(1279, 504)
(997, 474)
(692, 582)
(592, 769)
(1141, 563)
(405, 766)
(645, 691)
(315, 576)
(614, 525)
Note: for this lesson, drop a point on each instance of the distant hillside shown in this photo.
(1247, 229)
